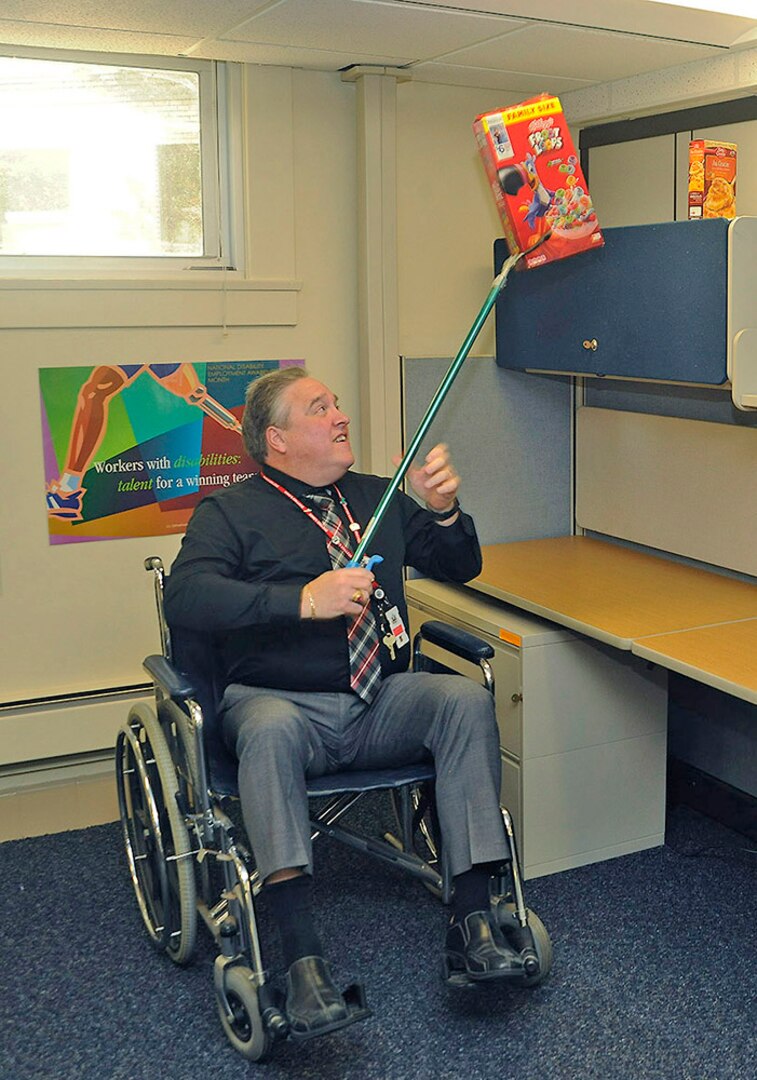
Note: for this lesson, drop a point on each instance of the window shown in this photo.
(112, 163)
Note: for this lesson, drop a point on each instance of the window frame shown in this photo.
(220, 111)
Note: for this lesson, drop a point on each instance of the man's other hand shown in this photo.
(436, 482)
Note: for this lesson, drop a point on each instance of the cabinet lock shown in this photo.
(516, 698)
(592, 345)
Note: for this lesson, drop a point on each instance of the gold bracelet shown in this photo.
(311, 601)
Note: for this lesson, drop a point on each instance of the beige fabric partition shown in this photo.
(684, 486)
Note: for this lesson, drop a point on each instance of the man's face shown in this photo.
(314, 446)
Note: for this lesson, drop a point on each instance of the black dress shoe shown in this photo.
(476, 950)
(314, 1006)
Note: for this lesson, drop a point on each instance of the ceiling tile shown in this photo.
(193, 18)
(575, 53)
(523, 85)
(47, 36)
(633, 16)
(250, 52)
(394, 29)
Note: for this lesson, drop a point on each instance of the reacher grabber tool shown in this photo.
(436, 402)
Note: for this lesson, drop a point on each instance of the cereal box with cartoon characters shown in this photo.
(538, 185)
(712, 179)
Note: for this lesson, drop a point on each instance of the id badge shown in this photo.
(397, 627)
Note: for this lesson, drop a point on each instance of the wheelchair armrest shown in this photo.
(459, 642)
(171, 681)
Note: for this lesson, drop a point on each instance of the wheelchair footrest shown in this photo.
(457, 976)
(357, 1009)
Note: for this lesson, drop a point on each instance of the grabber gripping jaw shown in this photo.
(367, 563)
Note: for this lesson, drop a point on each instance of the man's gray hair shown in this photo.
(263, 407)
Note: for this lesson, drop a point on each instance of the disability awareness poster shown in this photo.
(130, 449)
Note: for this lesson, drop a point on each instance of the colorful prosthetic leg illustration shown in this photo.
(65, 496)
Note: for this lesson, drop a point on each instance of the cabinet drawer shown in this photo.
(592, 803)
(583, 693)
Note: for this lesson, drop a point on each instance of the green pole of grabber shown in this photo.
(436, 402)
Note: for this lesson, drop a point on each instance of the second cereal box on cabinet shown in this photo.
(712, 179)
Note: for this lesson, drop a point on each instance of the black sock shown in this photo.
(471, 891)
(290, 904)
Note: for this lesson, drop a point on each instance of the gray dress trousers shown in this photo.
(282, 738)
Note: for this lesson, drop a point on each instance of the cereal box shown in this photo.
(712, 179)
(538, 185)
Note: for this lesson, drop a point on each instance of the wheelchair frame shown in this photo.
(180, 841)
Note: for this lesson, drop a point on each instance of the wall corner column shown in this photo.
(378, 319)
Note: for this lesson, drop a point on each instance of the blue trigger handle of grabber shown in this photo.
(370, 562)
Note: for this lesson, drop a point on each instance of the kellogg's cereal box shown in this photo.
(712, 179)
(538, 185)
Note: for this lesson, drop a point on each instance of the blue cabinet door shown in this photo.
(650, 304)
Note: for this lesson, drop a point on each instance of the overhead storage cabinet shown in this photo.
(672, 302)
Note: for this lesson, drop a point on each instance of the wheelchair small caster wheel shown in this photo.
(244, 1025)
(537, 961)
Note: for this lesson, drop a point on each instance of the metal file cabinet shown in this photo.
(582, 729)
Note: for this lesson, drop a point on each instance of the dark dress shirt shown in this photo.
(249, 550)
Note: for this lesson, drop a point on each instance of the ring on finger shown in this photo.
(357, 597)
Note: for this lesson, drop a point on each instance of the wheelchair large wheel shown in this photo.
(174, 721)
(542, 942)
(245, 1030)
(424, 841)
(155, 836)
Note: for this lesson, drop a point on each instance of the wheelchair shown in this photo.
(176, 782)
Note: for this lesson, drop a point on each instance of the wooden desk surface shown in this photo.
(610, 592)
(722, 656)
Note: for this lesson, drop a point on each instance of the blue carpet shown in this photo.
(654, 974)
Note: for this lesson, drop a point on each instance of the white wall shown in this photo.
(79, 616)
(447, 219)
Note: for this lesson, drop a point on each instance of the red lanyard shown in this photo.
(331, 534)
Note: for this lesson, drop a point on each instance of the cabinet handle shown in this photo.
(516, 698)
(591, 344)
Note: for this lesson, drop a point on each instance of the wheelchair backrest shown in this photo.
(197, 656)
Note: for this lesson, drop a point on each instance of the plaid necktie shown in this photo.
(362, 636)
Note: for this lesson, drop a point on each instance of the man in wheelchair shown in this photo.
(316, 653)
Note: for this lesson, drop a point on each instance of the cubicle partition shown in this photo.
(511, 437)
(710, 729)
(660, 477)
